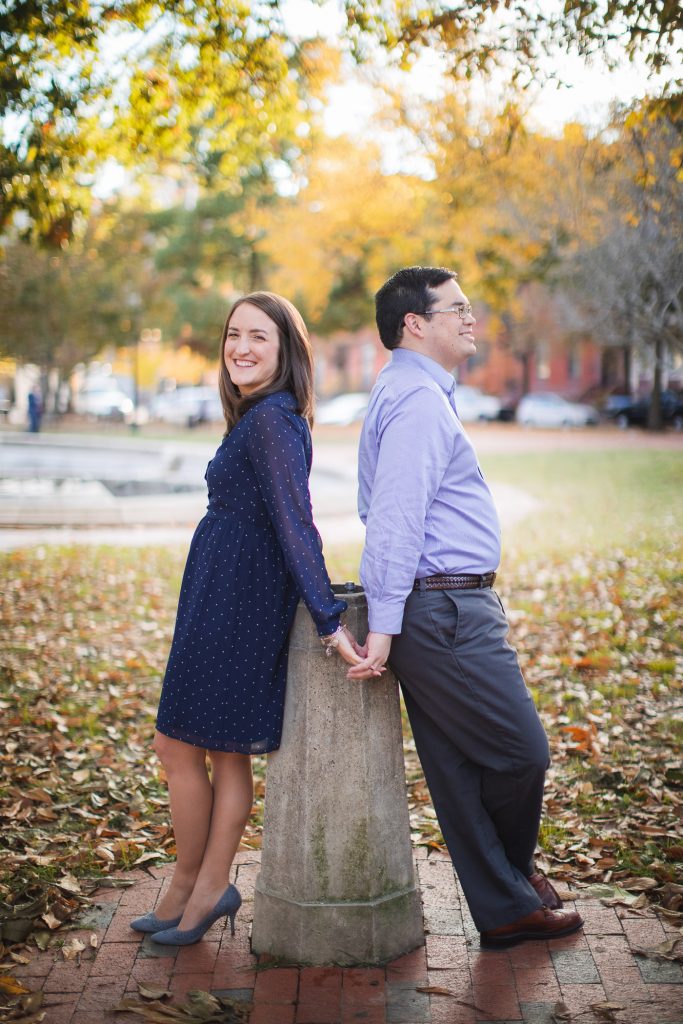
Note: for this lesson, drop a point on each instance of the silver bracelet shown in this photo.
(331, 642)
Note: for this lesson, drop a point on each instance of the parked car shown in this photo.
(472, 404)
(635, 411)
(615, 404)
(548, 409)
(188, 406)
(508, 406)
(343, 410)
(104, 401)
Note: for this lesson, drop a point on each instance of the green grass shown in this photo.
(593, 500)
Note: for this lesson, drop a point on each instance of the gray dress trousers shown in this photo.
(480, 741)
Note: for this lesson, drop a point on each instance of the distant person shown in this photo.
(255, 553)
(35, 410)
(431, 552)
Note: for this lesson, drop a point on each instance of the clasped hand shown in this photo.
(366, 660)
(374, 654)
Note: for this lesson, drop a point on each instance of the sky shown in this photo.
(586, 97)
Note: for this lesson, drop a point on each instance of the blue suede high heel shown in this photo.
(151, 923)
(227, 906)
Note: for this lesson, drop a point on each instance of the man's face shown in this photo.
(448, 338)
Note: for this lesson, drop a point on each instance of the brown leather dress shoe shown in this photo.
(548, 896)
(541, 924)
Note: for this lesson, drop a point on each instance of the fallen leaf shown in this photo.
(50, 920)
(69, 883)
(148, 992)
(31, 1002)
(70, 950)
(607, 1010)
(561, 1012)
(435, 990)
(664, 951)
(203, 1001)
(26, 1010)
(41, 939)
(38, 794)
(12, 987)
(612, 895)
(145, 857)
(638, 884)
(154, 1011)
(105, 853)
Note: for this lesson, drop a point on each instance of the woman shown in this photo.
(255, 553)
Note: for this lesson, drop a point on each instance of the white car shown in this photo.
(472, 404)
(105, 401)
(343, 410)
(188, 406)
(547, 409)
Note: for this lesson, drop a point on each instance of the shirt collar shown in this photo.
(406, 356)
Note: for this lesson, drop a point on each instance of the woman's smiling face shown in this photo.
(252, 348)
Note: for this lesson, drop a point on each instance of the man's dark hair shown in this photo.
(408, 291)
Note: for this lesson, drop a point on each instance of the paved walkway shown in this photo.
(595, 974)
(69, 489)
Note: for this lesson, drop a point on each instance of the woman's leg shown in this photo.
(191, 799)
(233, 794)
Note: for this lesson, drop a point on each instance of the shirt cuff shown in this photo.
(385, 618)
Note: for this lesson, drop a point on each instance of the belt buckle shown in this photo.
(482, 583)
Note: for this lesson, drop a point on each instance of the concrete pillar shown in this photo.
(337, 882)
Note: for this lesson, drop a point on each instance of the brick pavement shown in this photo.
(524, 983)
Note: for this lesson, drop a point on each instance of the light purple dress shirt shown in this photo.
(423, 499)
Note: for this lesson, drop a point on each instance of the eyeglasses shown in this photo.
(462, 310)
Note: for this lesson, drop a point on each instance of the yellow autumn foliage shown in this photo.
(348, 209)
(156, 362)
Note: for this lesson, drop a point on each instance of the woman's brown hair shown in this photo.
(295, 360)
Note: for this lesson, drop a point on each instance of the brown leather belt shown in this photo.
(460, 582)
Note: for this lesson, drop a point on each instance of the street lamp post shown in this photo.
(134, 303)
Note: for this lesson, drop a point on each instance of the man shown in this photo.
(432, 547)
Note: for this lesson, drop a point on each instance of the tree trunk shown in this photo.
(255, 272)
(654, 417)
(525, 359)
(47, 397)
(627, 354)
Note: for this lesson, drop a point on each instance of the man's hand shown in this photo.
(378, 646)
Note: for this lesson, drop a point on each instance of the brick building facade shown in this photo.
(351, 361)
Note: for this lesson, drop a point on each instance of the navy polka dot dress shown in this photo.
(253, 555)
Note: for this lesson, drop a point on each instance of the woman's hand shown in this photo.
(348, 648)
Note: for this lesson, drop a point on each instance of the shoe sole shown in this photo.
(513, 940)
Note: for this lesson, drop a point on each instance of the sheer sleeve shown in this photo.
(277, 451)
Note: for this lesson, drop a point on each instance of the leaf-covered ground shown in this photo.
(84, 636)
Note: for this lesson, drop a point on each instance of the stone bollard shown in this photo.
(337, 881)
